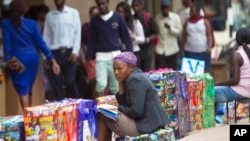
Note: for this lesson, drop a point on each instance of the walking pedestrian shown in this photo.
(62, 33)
(108, 30)
(19, 34)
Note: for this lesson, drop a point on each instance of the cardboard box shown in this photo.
(220, 70)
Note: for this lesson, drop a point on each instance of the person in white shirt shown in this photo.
(170, 28)
(197, 38)
(184, 12)
(62, 33)
(135, 28)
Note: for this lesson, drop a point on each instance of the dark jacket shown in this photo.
(142, 103)
(104, 36)
(147, 49)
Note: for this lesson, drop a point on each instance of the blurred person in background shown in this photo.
(42, 11)
(62, 33)
(150, 32)
(38, 13)
(32, 12)
(19, 35)
(108, 30)
(197, 38)
(87, 88)
(170, 28)
(135, 28)
(41, 15)
(184, 12)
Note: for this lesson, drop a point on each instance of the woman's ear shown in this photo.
(131, 68)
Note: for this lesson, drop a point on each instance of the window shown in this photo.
(241, 13)
(217, 11)
(5, 4)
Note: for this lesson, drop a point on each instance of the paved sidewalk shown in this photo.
(217, 133)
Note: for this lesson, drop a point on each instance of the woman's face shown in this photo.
(122, 70)
(94, 12)
(193, 12)
(137, 7)
(41, 16)
(121, 11)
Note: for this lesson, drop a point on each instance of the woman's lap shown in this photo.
(124, 126)
(225, 94)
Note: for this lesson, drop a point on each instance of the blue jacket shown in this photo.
(22, 40)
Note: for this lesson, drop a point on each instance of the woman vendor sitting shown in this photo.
(139, 109)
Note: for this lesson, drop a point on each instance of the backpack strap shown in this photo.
(147, 19)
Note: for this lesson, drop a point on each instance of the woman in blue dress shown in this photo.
(19, 36)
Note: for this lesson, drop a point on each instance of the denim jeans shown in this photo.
(225, 94)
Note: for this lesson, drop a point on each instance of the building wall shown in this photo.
(29, 3)
(2, 98)
(81, 5)
(175, 6)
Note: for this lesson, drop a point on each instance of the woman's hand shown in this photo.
(73, 58)
(209, 49)
(46, 64)
(132, 36)
(55, 67)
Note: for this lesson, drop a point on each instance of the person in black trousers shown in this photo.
(62, 33)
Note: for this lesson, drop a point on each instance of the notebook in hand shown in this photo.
(108, 110)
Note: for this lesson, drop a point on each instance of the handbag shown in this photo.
(14, 61)
(192, 66)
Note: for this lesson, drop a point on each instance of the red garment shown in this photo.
(148, 24)
(195, 19)
(91, 73)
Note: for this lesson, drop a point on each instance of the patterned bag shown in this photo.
(192, 66)
(11, 128)
(52, 121)
(165, 134)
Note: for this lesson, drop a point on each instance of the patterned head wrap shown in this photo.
(127, 57)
